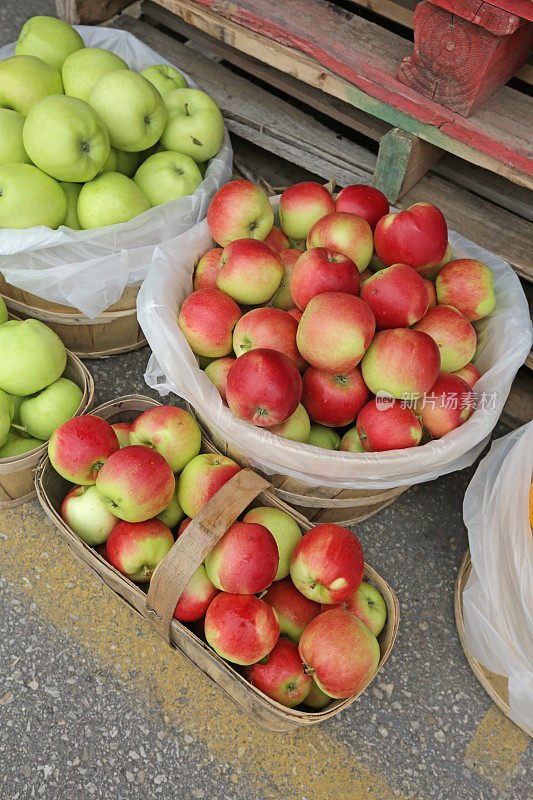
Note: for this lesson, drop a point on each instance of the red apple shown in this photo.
(217, 372)
(282, 678)
(467, 285)
(249, 272)
(122, 429)
(283, 528)
(351, 443)
(364, 201)
(450, 402)
(453, 333)
(333, 399)
(335, 331)
(294, 610)
(80, 446)
(241, 628)
(397, 295)
(205, 274)
(301, 205)
(136, 548)
(368, 605)
(297, 313)
(196, 597)
(207, 319)
(267, 327)
(282, 297)
(202, 478)
(170, 431)
(239, 209)
(469, 373)
(245, 560)
(321, 270)
(386, 424)
(417, 236)
(401, 362)
(340, 652)
(84, 512)
(277, 240)
(297, 427)
(432, 293)
(264, 387)
(183, 524)
(327, 564)
(345, 233)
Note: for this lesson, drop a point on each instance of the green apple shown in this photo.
(194, 124)
(17, 445)
(112, 161)
(173, 513)
(108, 199)
(6, 415)
(132, 109)
(3, 312)
(164, 78)
(66, 138)
(72, 192)
(24, 80)
(84, 512)
(42, 414)
(322, 436)
(17, 401)
(48, 38)
(33, 356)
(11, 146)
(28, 197)
(167, 175)
(127, 163)
(83, 69)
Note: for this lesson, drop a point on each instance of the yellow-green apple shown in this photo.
(283, 528)
(267, 327)
(397, 295)
(127, 163)
(297, 427)
(238, 210)
(202, 478)
(166, 175)
(173, 513)
(345, 233)
(217, 372)
(301, 205)
(207, 319)
(432, 293)
(136, 548)
(297, 313)
(335, 330)
(375, 263)
(112, 161)
(333, 399)
(41, 414)
(17, 401)
(170, 431)
(11, 144)
(469, 373)
(351, 443)
(401, 362)
(277, 240)
(450, 402)
(16, 445)
(453, 333)
(241, 628)
(28, 197)
(249, 271)
(33, 356)
(244, 561)
(72, 192)
(48, 38)
(136, 483)
(24, 80)
(368, 605)
(468, 285)
(84, 68)
(7, 412)
(205, 274)
(65, 137)
(321, 270)
(194, 124)
(327, 564)
(83, 511)
(317, 699)
(363, 201)
(132, 109)
(165, 78)
(322, 436)
(417, 236)
(109, 199)
(122, 430)
(196, 597)
(282, 678)
(293, 610)
(340, 652)
(264, 387)
(3, 312)
(79, 448)
(387, 424)
(282, 296)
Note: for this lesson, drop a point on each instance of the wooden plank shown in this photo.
(403, 159)
(89, 12)
(500, 17)
(400, 11)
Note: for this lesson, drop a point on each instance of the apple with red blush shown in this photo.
(333, 399)
(196, 597)
(321, 270)
(249, 271)
(469, 373)
(297, 427)
(205, 274)
(207, 319)
(282, 678)
(344, 233)
(282, 297)
(468, 285)
(449, 404)
(387, 424)
(217, 372)
(277, 240)
(301, 205)
(364, 201)
(245, 560)
(136, 548)
(267, 328)
(401, 362)
(79, 448)
(201, 478)
(241, 628)
(293, 609)
(169, 430)
(397, 295)
(239, 209)
(368, 605)
(454, 334)
(417, 236)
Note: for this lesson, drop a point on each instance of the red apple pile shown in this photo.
(346, 327)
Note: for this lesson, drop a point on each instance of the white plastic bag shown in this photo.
(504, 342)
(498, 598)
(89, 269)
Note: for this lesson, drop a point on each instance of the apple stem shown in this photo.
(308, 670)
(20, 428)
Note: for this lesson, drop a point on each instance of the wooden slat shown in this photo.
(89, 12)
(402, 160)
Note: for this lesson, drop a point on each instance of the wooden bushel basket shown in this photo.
(172, 575)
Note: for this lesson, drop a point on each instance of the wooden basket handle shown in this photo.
(174, 572)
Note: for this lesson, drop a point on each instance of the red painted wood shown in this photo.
(489, 15)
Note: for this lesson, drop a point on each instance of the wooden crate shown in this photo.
(176, 569)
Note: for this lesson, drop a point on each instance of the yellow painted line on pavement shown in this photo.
(304, 764)
(497, 748)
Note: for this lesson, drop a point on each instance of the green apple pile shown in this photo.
(34, 398)
(86, 142)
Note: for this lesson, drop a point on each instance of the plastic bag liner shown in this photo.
(89, 270)
(498, 598)
(504, 342)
